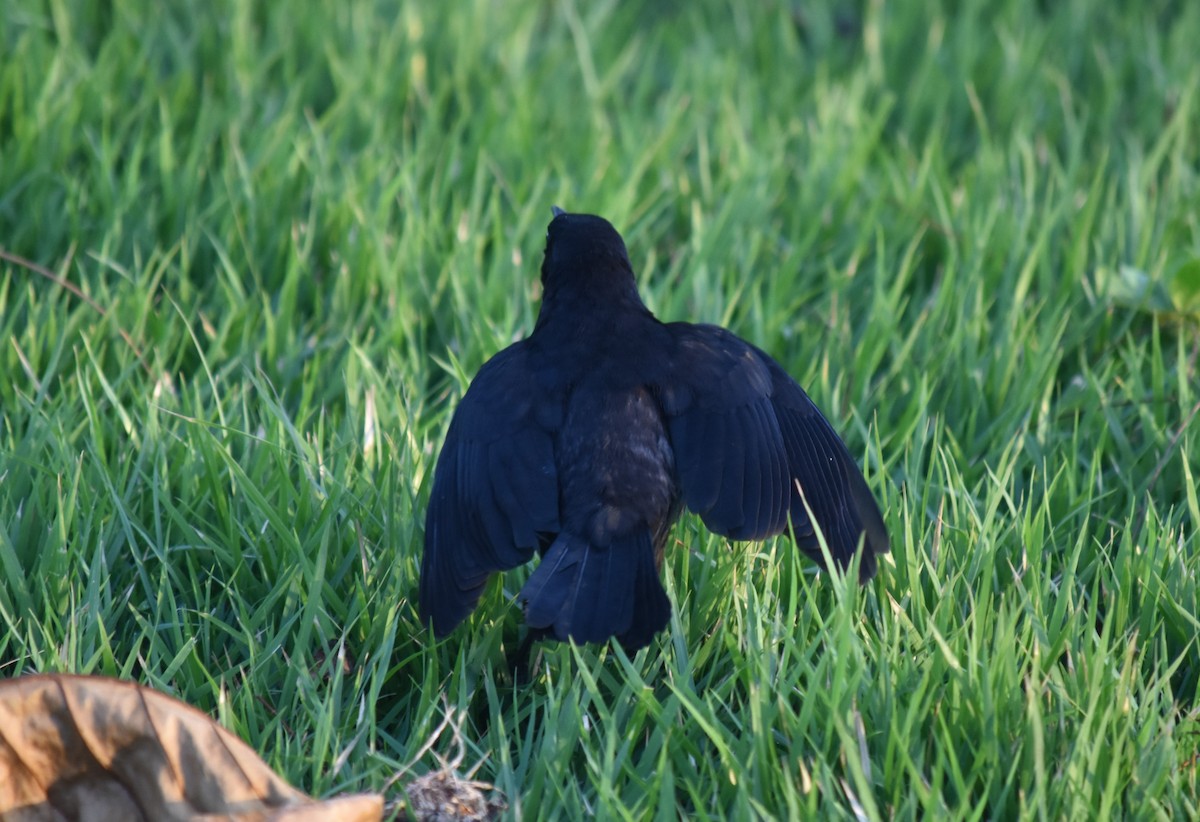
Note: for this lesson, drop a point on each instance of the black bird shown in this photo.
(584, 441)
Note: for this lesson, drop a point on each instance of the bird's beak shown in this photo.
(558, 212)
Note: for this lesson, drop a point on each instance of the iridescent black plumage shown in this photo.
(585, 440)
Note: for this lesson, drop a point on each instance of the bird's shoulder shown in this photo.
(706, 366)
(511, 391)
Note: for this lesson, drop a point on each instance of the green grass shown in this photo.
(314, 225)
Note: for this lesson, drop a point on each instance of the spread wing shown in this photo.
(495, 488)
(751, 448)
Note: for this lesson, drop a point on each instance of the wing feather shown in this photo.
(495, 488)
(751, 449)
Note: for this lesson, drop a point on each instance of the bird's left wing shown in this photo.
(752, 450)
(495, 488)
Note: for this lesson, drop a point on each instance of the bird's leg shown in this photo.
(520, 663)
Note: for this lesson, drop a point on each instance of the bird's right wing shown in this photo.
(495, 489)
(752, 450)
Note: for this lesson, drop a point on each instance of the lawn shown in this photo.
(253, 253)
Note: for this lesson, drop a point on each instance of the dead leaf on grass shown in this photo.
(92, 748)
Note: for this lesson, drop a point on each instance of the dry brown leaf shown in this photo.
(92, 748)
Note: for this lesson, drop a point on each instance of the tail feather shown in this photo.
(651, 608)
(589, 594)
(549, 587)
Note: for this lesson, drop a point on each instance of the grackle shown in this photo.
(584, 441)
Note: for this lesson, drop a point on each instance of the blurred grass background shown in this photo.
(970, 230)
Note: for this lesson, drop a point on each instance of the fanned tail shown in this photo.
(588, 593)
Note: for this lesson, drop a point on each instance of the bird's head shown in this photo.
(586, 256)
